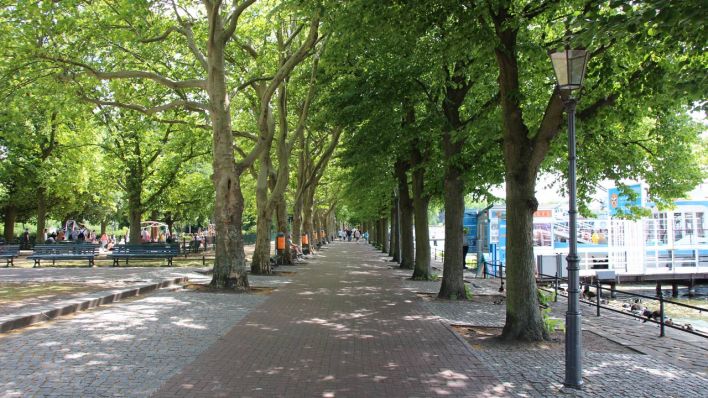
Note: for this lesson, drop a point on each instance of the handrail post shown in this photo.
(501, 277)
(555, 296)
(599, 294)
(661, 314)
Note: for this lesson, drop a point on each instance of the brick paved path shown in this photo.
(345, 328)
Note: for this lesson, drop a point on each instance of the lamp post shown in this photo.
(569, 67)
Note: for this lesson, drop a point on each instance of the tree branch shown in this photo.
(160, 37)
(170, 178)
(250, 50)
(487, 106)
(425, 90)
(248, 83)
(293, 36)
(547, 130)
(186, 31)
(133, 74)
(245, 134)
(190, 105)
(232, 19)
(284, 70)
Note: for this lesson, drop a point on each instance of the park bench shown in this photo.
(147, 251)
(9, 252)
(72, 251)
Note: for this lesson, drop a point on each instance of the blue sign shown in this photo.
(621, 203)
(497, 232)
(469, 221)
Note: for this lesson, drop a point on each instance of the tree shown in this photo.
(43, 169)
(270, 178)
(531, 126)
(204, 80)
(149, 157)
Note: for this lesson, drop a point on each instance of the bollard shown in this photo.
(555, 296)
(305, 244)
(661, 314)
(599, 294)
(280, 248)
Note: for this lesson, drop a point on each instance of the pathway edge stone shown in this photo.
(93, 300)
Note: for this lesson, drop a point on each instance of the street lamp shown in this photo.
(569, 67)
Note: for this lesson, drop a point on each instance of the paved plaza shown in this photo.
(347, 324)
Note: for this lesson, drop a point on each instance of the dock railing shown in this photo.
(497, 271)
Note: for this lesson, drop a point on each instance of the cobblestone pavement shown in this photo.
(672, 366)
(347, 324)
(126, 349)
(345, 327)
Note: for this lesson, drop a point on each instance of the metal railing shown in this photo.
(556, 281)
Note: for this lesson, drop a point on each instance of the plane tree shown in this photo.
(187, 51)
(45, 168)
(273, 169)
(146, 158)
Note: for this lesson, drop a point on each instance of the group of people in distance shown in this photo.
(81, 234)
(161, 237)
(347, 234)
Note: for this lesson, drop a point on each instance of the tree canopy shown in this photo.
(306, 116)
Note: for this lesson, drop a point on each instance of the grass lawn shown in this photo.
(13, 292)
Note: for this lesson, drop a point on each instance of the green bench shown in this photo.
(72, 251)
(9, 252)
(146, 251)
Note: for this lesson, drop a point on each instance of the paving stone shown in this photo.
(116, 350)
(348, 323)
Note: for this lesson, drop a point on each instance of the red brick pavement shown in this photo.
(343, 328)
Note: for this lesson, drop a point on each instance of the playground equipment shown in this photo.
(156, 231)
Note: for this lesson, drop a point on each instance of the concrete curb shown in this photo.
(80, 304)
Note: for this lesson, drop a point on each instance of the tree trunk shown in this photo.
(393, 246)
(453, 286)
(10, 218)
(260, 263)
(317, 226)
(524, 320)
(104, 225)
(135, 211)
(307, 210)
(281, 212)
(406, 216)
(41, 214)
(385, 243)
(230, 258)
(422, 269)
(297, 221)
(170, 221)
